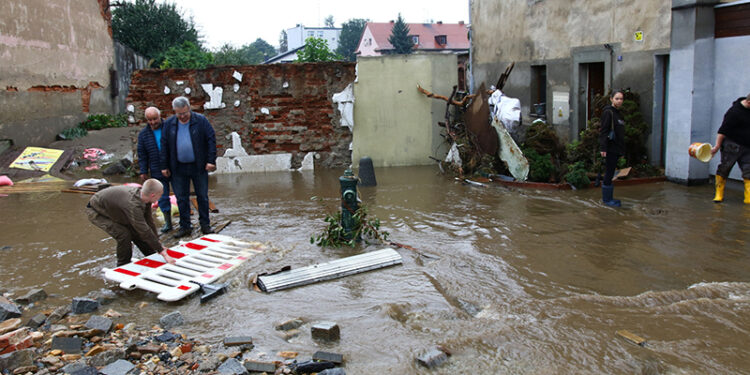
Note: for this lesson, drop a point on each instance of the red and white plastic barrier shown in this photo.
(203, 260)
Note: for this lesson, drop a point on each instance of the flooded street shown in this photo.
(513, 281)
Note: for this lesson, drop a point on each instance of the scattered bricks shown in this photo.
(69, 345)
(290, 334)
(325, 331)
(237, 340)
(135, 355)
(232, 366)
(432, 358)
(17, 359)
(36, 321)
(119, 326)
(13, 337)
(23, 343)
(32, 296)
(149, 349)
(83, 305)
(333, 371)
(94, 351)
(9, 325)
(70, 357)
(99, 322)
(288, 354)
(8, 309)
(25, 369)
(171, 320)
(55, 352)
(119, 367)
(289, 324)
(58, 314)
(186, 348)
(106, 357)
(328, 357)
(257, 366)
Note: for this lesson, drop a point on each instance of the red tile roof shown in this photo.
(457, 35)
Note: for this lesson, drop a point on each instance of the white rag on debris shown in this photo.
(506, 109)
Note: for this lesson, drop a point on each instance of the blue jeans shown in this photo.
(164, 205)
(181, 178)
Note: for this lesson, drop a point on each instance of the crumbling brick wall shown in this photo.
(301, 117)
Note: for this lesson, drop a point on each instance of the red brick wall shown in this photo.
(302, 117)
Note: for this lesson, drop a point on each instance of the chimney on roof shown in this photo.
(439, 22)
(392, 21)
(460, 22)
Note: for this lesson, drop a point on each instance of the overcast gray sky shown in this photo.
(240, 22)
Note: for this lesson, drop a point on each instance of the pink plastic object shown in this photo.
(5, 181)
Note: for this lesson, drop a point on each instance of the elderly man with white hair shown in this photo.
(124, 212)
(149, 145)
(188, 153)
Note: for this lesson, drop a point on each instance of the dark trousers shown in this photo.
(124, 235)
(610, 164)
(731, 153)
(164, 204)
(181, 178)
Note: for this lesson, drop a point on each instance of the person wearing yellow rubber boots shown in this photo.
(733, 139)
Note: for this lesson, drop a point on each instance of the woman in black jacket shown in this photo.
(612, 144)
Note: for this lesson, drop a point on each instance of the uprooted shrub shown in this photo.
(94, 122)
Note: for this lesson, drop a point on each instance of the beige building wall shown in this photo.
(55, 61)
(394, 124)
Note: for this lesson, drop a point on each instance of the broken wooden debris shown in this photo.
(327, 271)
(635, 339)
(211, 206)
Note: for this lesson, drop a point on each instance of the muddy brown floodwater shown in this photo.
(515, 281)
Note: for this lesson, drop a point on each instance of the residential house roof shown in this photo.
(456, 36)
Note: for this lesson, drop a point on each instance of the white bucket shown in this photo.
(700, 151)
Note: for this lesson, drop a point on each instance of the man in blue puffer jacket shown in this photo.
(149, 145)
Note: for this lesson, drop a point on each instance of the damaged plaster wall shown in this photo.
(563, 36)
(276, 108)
(55, 58)
(395, 124)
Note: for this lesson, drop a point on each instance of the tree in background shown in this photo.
(351, 32)
(186, 56)
(283, 42)
(151, 29)
(329, 21)
(316, 50)
(400, 39)
(249, 54)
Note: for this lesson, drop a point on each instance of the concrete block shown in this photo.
(171, 320)
(325, 331)
(289, 324)
(432, 358)
(32, 296)
(69, 345)
(232, 366)
(36, 321)
(8, 309)
(99, 322)
(257, 366)
(237, 340)
(328, 357)
(254, 163)
(119, 367)
(83, 305)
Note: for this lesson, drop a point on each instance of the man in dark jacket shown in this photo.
(188, 153)
(149, 144)
(734, 142)
(124, 212)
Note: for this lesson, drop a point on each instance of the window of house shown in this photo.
(320, 34)
(414, 39)
(441, 39)
(538, 90)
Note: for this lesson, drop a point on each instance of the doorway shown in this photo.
(591, 84)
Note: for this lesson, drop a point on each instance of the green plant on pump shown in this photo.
(334, 235)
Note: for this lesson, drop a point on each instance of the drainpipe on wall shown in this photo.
(611, 64)
(470, 71)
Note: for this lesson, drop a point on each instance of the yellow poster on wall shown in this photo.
(37, 159)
